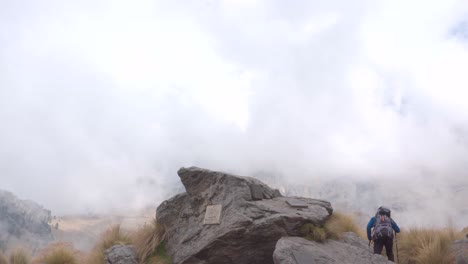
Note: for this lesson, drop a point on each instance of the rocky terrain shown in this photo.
(460, 250)
(23, 223)
(220, 218)
(224, 218)
(348, 250)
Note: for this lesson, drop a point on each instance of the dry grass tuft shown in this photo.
(111, 237)
(3, 259)
(19, 256)
(147, 241)
(426, 246)
(464, 233)
(336, 225)
(58, 253)
(339, 223)
(160, 256)
(314, 233)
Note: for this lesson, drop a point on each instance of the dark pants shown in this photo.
(388, 244)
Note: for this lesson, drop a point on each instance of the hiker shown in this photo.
(383, 226)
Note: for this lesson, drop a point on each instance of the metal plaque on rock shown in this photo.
(256, 191)
(296, 203)
(213, 215)
(302, 257)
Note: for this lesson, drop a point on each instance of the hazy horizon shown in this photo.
(102, 101)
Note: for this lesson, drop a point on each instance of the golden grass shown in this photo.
(3, 259)
(426, 246)
(416, 246)
(315, 233)
(334, 227)
(112, 236)
(58, 253)
(19, 256)
(147, 241)
(339, 223)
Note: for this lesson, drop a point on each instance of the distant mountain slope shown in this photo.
(429, 202)
(22, 223)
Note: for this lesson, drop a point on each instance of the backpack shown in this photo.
(383, 227)
(384, 211)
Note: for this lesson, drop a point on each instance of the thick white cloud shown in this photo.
(101, 101)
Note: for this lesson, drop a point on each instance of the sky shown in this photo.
(102, 101)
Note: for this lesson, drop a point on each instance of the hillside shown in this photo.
(23, 223)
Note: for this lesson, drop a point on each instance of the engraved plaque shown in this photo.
(213, 215)
(303, 257)
(296, 204)
(256, 191)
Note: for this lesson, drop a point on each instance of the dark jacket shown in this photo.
(370, 225)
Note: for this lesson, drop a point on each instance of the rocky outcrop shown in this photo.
(253, 218)
(121, 254)
(349, 250)
(460, 251)
(22, 222)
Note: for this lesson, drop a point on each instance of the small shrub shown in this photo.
(314, 233)
(334, 227)
(113, 236)
(3, 259)
(160, 256)
(58, 253)
(19, 256)
(149, 244)
(464, 233)
(426, 246)
(339, 223)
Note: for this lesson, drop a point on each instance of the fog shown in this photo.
(102, 101)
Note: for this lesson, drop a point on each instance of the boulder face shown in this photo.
(120, 254)
(351, 249)
(22, 222)
(253, 218)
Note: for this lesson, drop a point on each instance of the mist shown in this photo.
(102, 101)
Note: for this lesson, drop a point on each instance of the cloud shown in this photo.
(101, 102)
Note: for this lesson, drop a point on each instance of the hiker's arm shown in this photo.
(395, 227)
(369, 227)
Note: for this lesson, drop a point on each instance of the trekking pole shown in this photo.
(396, 244)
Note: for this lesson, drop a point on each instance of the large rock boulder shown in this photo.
(23, 223)
(121, 254)
(253, 218)
(351, 249)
